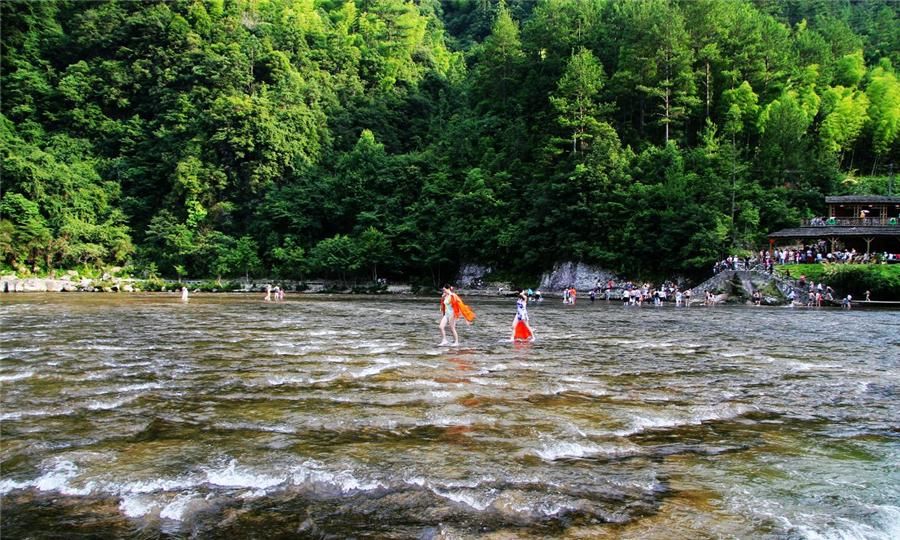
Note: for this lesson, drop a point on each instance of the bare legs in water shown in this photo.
(448, 318)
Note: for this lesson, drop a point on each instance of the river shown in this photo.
(140, 416)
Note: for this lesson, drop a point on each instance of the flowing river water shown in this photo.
(331, 417)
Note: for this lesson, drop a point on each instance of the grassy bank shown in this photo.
(882, 280)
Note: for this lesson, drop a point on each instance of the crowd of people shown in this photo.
(632, 294)
(816, 293)
(806, 254)
(819, 253)
(276, 293)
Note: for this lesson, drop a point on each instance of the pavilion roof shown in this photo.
(862, 199)
(836, 232)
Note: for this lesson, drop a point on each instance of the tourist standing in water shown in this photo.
(452, 307)
(448, 317)
(520, 327)
(184, 294)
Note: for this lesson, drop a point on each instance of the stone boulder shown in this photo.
(472, 276)
(8, 283)
(34, 285)
(583, 277)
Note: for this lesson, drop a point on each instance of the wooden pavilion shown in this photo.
(851, 220)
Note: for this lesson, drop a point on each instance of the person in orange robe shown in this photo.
(452, 308)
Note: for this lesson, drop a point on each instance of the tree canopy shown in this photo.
(393, 138)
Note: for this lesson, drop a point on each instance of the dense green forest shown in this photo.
(399, 139)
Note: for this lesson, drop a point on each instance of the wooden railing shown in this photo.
(850, 222)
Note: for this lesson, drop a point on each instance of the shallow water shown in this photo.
(142, 416)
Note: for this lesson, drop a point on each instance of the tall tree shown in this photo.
(655, 61)
(576, 98)
(500, 60)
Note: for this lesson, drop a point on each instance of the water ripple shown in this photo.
(212, 415)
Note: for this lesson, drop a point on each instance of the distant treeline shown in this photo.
(395, 138)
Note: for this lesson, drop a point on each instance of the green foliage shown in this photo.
(27, 233)
(813, 272)
(290, 259)
(217, 285)
(335, 256)
(654, 63)
(846, 112)
(501, 58)
(400, 139)
(884, 95)
(234, 257)
(373, 248)
(741, 109)
(881, 280)
(850, 69)
(576, 99)
(152, 285)
(865, 185)
(61, 211)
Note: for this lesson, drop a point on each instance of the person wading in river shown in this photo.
(521, 330)
(452, 307)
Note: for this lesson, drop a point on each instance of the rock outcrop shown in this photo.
(737, 286)
(10, 284)
(472, 275)
(583, 277)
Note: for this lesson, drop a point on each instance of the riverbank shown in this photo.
(472, 280)
(13, 284)
(881, 280)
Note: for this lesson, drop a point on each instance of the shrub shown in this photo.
(883, 281)
(152, 285)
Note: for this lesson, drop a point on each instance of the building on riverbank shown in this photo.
(866, 223)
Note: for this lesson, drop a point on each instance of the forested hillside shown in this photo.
(400, 139)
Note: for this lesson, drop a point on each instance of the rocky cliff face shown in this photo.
(472, 275)
(582, 276)
(11, 284)
(14, 284)
(564, 275)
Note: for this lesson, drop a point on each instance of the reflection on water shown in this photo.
(227, 416)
